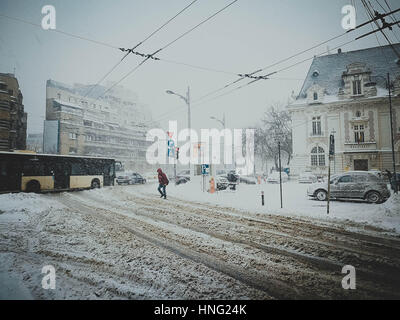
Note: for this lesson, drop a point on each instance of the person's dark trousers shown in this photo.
(163, 193)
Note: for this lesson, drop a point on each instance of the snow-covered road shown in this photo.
(125, 242)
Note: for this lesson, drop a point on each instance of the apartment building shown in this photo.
(79, 122)
(13, 119)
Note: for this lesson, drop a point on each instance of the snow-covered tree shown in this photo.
(275, 126)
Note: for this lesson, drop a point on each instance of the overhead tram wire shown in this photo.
(390, 10)
(117, 48)
(286, 59)
(194, 105)
(166, 46)
(280, 70)
(384, 10)
(61, 32)
(376, 36)
(137, 45)
(198, 67)
(377, 16)
(272, 65)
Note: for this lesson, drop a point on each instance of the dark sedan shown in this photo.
(130, 178)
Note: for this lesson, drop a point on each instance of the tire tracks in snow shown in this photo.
(314, 261)
(317, 250)
(267, 284)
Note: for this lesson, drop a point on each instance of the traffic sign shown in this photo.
(205, 169)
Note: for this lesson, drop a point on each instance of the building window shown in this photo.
(72, 136)
(59, 96)
(316, 126)
(358, 114)
(315, 96)
(356, 86)
(359, 133)
(317, 156)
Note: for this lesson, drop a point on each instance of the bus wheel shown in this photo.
(33, 186)
(95, 184)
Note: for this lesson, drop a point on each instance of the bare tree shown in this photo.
(275, 126)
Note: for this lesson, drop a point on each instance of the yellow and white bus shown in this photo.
(31, 172)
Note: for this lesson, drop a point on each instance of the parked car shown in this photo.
(183, 176)
(130, 178)
(274, 177)
(184, 173)
(182, 179)
(307, 177)
(247, 179)
(352, 185)
(221, 182)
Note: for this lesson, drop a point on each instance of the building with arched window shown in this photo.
(345, 94)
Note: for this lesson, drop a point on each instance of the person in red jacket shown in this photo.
(163, 182)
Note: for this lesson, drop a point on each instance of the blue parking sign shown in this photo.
(205, 169)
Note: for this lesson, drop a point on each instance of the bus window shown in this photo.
(108, 169)
(78, 168)
(3, 168)
(33, 168)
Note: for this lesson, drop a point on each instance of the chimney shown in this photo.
(339, 50)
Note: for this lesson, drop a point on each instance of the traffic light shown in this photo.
(331, 145)
(177, 153)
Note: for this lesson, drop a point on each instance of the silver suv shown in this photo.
(352, 185)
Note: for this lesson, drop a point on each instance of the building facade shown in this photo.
(13, 119)
(114, 125)
(346, 94)
(34, 142)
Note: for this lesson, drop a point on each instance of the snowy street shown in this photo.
(125, 242)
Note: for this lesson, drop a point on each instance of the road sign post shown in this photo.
(205, 170)
(331, 155)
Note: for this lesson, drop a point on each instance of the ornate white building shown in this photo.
(346, 94)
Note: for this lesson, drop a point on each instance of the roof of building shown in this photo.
(329, 68)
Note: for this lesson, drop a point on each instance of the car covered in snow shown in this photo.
(307, 177)
(247, 179)
(275, 178)
(182, 177)
(352, 185)
(221, 182)
(130, 178)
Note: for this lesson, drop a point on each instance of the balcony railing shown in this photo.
(360, 146)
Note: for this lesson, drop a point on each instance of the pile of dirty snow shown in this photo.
(21, 203)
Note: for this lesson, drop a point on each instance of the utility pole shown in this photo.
(189, 122)
(329, 185)
(223, 122)
(330, 156)
(391, 134)
(187, 101)
(280, 171)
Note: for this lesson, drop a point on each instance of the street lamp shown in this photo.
(220, 121)
(389, 85)
(224, 126)
(187, 101)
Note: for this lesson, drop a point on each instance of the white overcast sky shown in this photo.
(249, 35)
